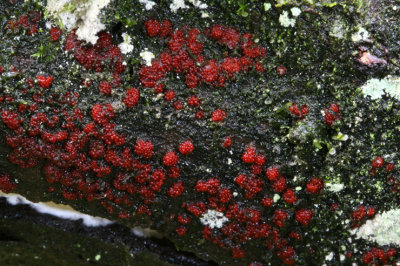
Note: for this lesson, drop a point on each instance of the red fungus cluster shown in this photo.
(185, 57)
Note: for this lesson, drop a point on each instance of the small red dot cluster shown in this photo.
(332, 113)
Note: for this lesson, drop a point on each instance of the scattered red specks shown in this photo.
(186, 147)
(281, 70)
(44, 82)
(314, 185)
(332, 113)
(6, 185)
(218, 115)
(303, 216)
(131, 98)
(55, 34)
(144, 148)
(170, 159)
(105, 87)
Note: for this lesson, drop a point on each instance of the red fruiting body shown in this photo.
(218, 115)
(267, 202)
(186, 147)
(303, 216)
(314, 185)
(153, 27)
(176, 190)
(281, 70)
(178, 105)
(105, 87)
(300, 113)
(181, 231)
(211, 185)
(55, 34)
(389, 167)
(170, 159)
(227, 142)
(131, 98)
(332, 114)
(6, 185)
(377, 162)
(289, 196)
(169, 95)
(272, 173)
(144, 148)
(249, 156)
(44, 82)
(101, 114)
(193, 101)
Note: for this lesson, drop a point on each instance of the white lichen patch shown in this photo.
(58, 210)
(285, 21)
(81, 14)
(147, 56)
(376, 88)
(126, 46)
(177, 4)
(338, 29)
(361, 35)
(213, 219)
(334, 187)
(147, 4)
(384, 229)
(267, 6)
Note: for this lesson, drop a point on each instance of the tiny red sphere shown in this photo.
(281, 70)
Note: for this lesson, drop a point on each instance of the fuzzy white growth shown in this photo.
(126, 46)
(285, 21)
(58, 210)
(198, 4)
(333, 187)
(81, 14)
(213, 219)
(295, 11)
(176, 4)
(147, 56)
(147, 4)
(384, 229)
